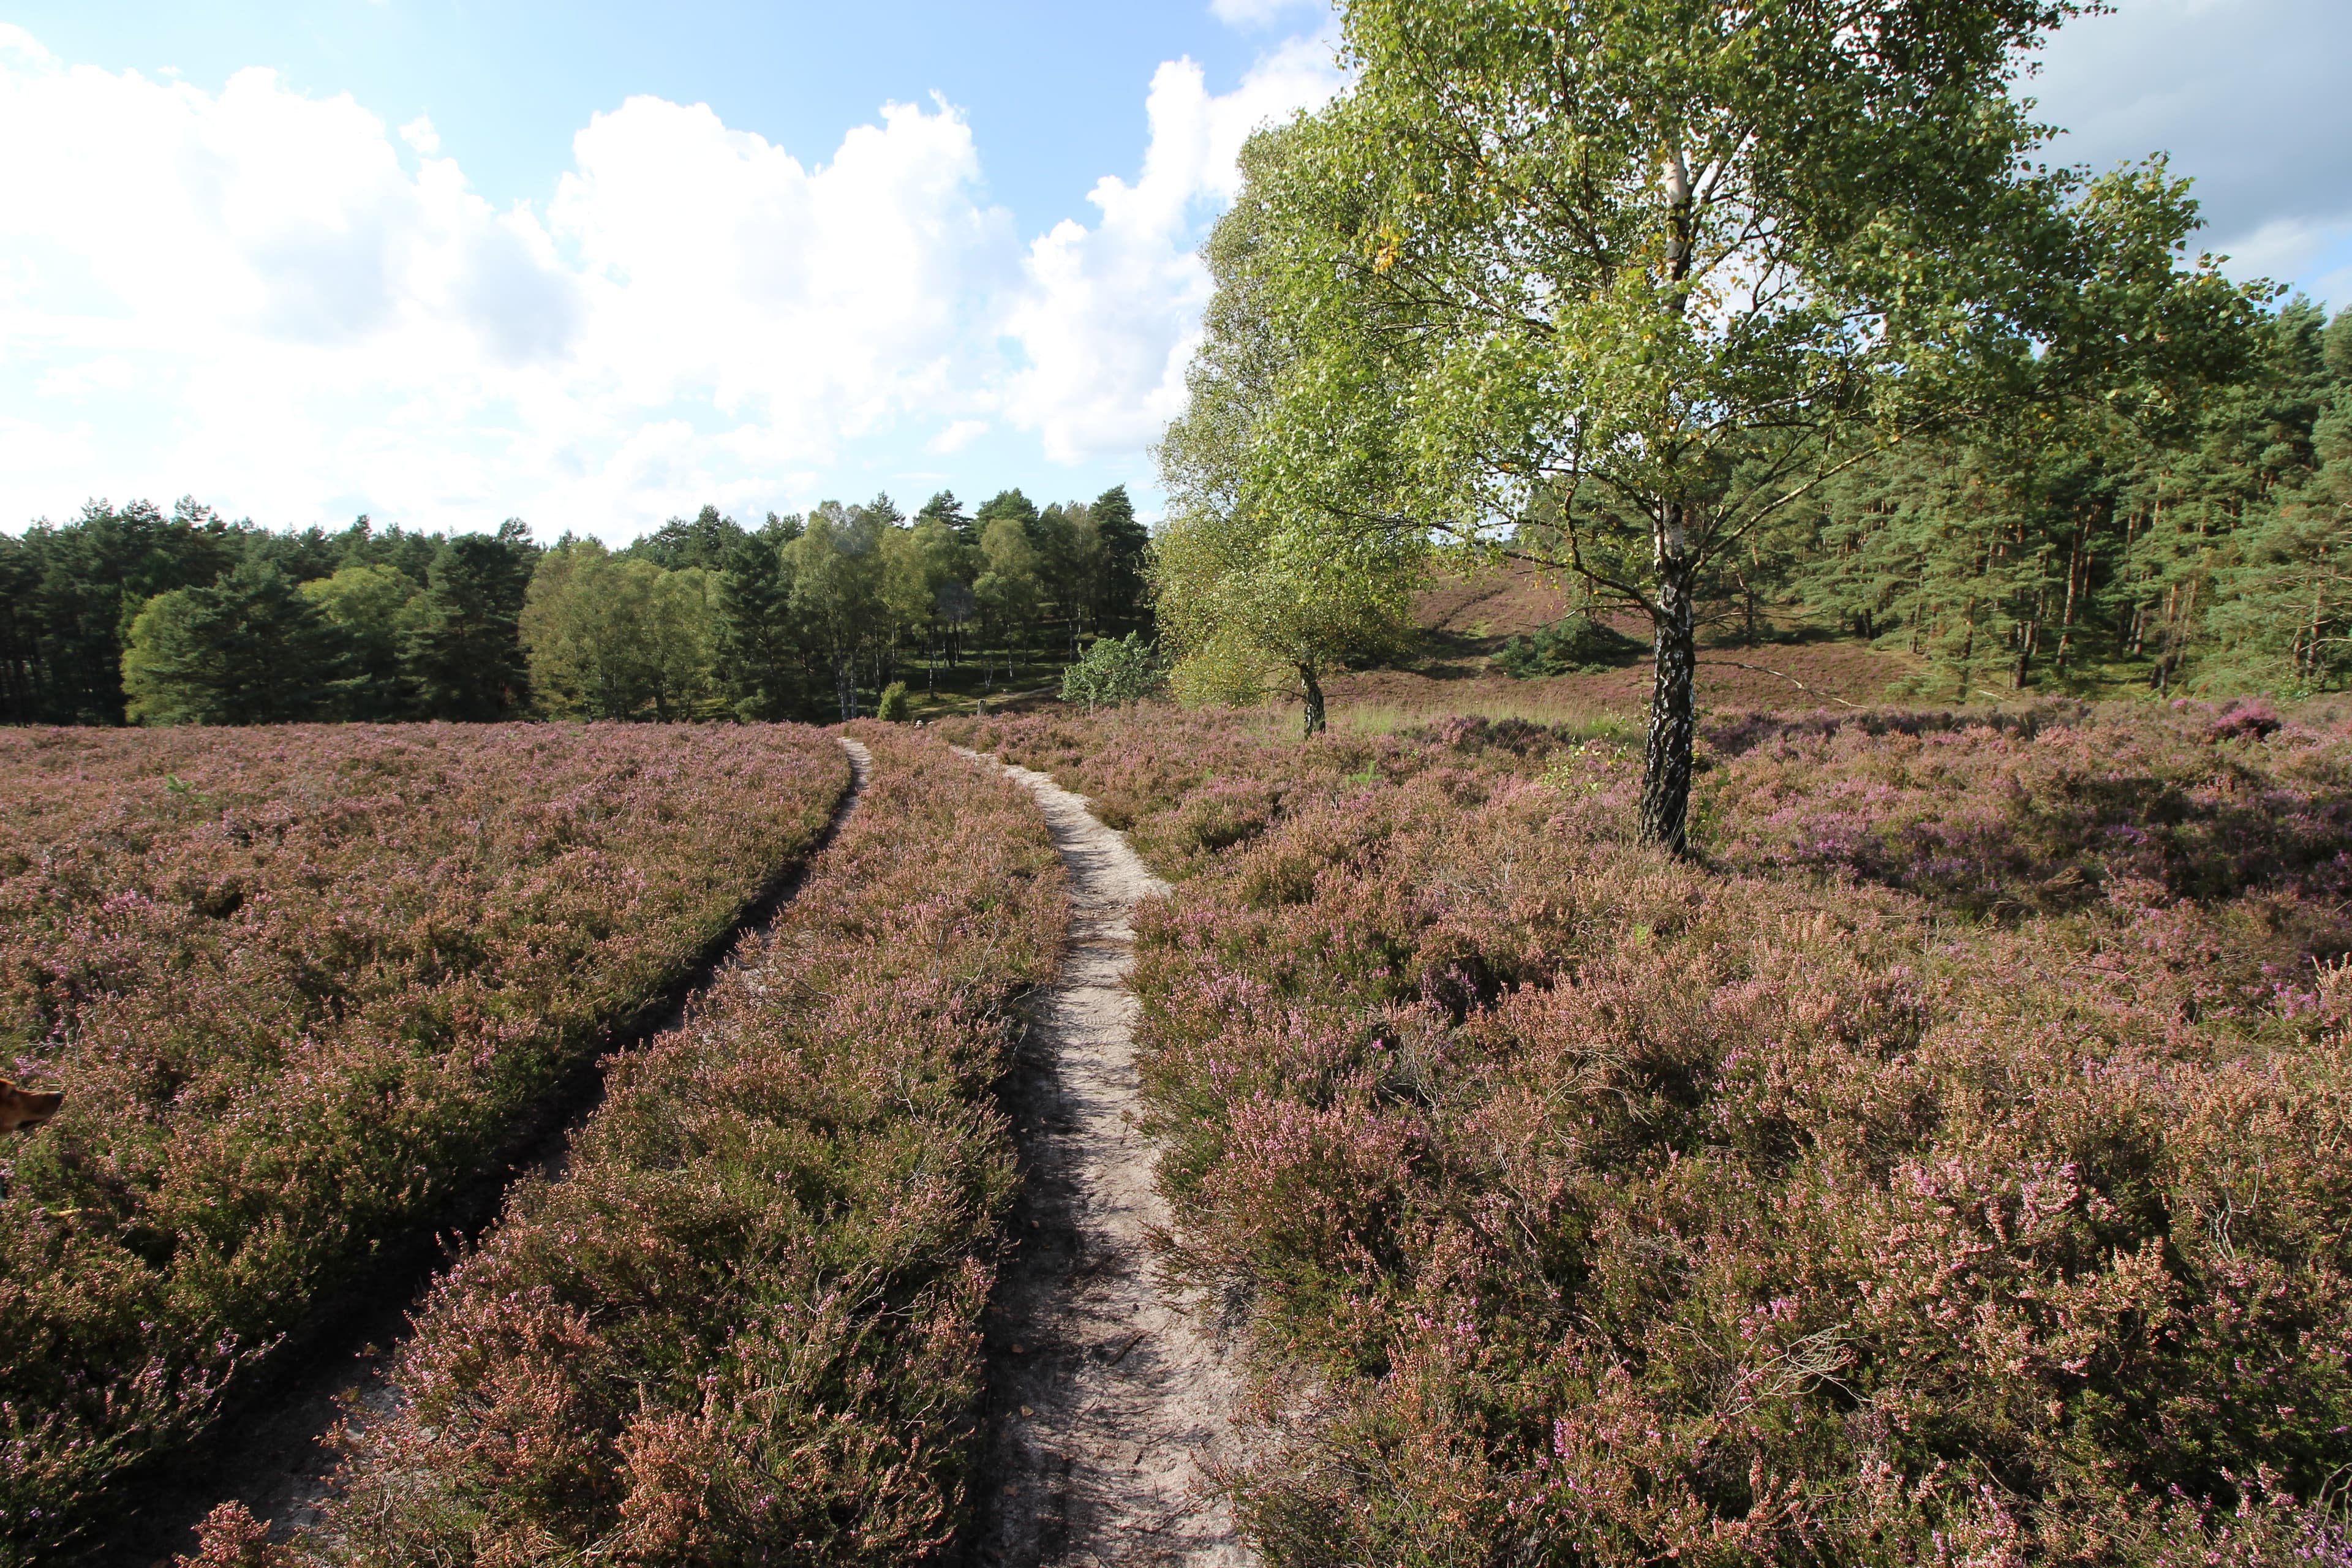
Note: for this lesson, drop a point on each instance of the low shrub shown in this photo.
(1115, 670)
(2204, 802)
(743, 1325)
(298, 984)
(1593, 1207)
(1573, 645)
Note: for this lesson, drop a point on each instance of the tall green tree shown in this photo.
(90, 578)
(939, 559)
(1253, 609)
(22, 669)
(837, 591)
(1124, 547)
(463, 646)
(704, 540)
(1009, 504)
(1069, 559)
(1647, 273)
(945, 509)
(2074, 547)
(365, 608)
(757, 656)
(2268, 531)
(618, 637)
(1008, 587)
(247, 650)
(894, 615)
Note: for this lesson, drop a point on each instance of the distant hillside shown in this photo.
(1468, 619)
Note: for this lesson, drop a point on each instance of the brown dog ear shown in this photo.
(20, 1109)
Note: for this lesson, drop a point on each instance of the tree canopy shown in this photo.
(1611, 286)
(131, 613)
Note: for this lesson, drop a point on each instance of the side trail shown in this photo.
(1107, 1399)
(272, 1454)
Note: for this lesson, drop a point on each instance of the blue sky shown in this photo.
(1054, 93)
(594, 264)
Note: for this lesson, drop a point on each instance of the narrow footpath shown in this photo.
(1108, 1398)
(273, 1456)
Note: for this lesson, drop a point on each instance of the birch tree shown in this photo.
(1607, 285)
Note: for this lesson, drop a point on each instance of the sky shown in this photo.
(594, 264)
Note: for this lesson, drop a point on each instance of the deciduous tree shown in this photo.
(1646, 273)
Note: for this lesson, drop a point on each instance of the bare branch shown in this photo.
(1783, 675)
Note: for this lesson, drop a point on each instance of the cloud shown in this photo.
(293, 310)
(825, 297)
(14, 40)
(1111, 313)
(1259, 13)
(957, 436)
(312, 324)
(2245, 98)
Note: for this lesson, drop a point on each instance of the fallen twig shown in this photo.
(1735, 664)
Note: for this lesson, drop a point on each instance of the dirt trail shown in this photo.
(1107, 1395)
(272, 1455)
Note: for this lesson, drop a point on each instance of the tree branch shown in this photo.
(1735, 664)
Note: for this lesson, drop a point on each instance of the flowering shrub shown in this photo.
(298, 984)
(1185, 785)
(2208, 804)
(744, 1326)
(1820, 1206)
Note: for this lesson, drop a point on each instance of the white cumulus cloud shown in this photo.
(1260, 13)
(289, 307)
(962, 433)
(283, 317)
(1111, 313)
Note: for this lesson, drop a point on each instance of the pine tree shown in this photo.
(705, 540)
(759, 662)
(950, 510)
(464, 649)
(247, 650)
(1009, 503)
(1126, 550)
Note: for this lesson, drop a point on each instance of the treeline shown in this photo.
(2213, 551)
(134, 615)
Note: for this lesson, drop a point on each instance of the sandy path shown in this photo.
(275, 1457)
(1106, 1394)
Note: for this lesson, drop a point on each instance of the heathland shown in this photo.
(1946, 1161)
(1947, 1153)
(301, 983)
(1780, 997)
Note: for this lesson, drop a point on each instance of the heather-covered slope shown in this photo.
(298, 984)
(742, 1324)
(1953, 1168)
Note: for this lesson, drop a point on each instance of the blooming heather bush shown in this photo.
(1186, 785)
(298, 983)
(1592, 1208)
(2202, 802)
(742, 1326)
